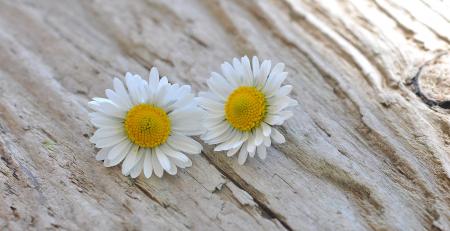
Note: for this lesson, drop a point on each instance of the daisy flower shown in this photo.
(243, 106)
(146, 124)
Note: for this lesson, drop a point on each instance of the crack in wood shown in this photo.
(258, 198)
(150, 195)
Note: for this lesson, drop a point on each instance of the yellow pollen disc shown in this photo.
(147, 126)
(245, 108)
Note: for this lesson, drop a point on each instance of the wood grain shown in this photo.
(365, 150)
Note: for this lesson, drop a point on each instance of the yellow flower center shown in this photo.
(245, 108)
(147, 126)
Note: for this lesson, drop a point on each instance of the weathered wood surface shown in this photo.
(364, 152)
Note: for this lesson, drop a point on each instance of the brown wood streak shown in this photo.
(363, 152)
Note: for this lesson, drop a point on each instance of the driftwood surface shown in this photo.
(367, 149)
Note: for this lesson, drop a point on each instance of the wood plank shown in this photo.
(363, 151)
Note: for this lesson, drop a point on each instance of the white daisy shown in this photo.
(243, 106)
(146, 124)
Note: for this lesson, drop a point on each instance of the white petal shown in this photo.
(170, 152)
(239, 71)
(273, 83)
(236, 139)
(245, 136)
(222, 82)
(247, 70)
(107, 132)
(217, 131)
(218, 136)
(266, 129)
(277, 136)
(276, 100)
(132, 83)
(137, 88)
(213, 122)
(153, 83)
(251, 146)
(148, 167)
(131, 160)
(212, 105)
(187, 120)
(163, 81)
(210, 95)
(184, 144)
(292, 102)
(162, 158)
(188, 164)
(259, 137)
(173, 169)
(99, 100)
(181, 164)
(102, 154)
(278, 103)
(285, 115)
(138, 167)
(120, 90)
(100, 120)
(171, 97)
(252, 153)
(219, 86)
(277, 69)
(121, 155)
(262, 152)
(284, 90)
(108, 141)
(255, 66)
(107, 108)
(183, 100)
(274, 119)
(156, 165)
(142, 90)
(230, 143)
(233, 151)
(180, 115)
(278, 118)
(153, 79)
(243, 154)
(230, 74)
(263, 74)
(267, 141)
(118, 99)
(119, 149)
(161, 93)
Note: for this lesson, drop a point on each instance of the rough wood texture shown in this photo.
(368, 148)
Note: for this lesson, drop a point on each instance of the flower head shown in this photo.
(146, 124)
(243, 105)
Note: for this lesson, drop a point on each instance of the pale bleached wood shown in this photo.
(363, 152)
